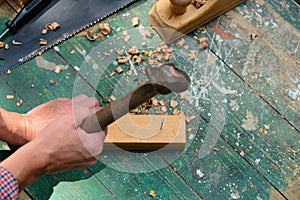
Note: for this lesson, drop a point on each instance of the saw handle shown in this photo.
(118, 108)
(26, 14)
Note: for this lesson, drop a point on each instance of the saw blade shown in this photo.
(73, 17)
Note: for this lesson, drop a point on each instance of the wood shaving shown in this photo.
(6, 46)
(131, 67)
(112, 98)
(44, 31)
(52, 82)
(120, 52)
(126, 38)
(152, 193)
(16, 42)
(253, 36)
(72, 52)
(135, 21)
(129, 73)
(162, 102)
(43, 41)
(176, 112)
(154, 101)
(122, 60)
(2, 44)
(119, 70)
(91, 36)
(8, 71)
(202, 28)
(144, 44)
(32, 86)
(105, 28)
(9, 97)
(242, 153)
(173, 103)
(149, 33)
(189, 118)
(112, 74)
(202, 42)
(180, 42)
(58, 69)
(52, 26)
(18, 104)
(198, 3)
(133, 50)
(167, 56)
(192, 55)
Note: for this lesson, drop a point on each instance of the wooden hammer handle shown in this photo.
(118, 108)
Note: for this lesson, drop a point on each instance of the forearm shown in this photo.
(12, 127)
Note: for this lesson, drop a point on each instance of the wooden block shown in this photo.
(171, 27)
(144, 132)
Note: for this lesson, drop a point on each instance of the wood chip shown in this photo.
(133, 51)
(261, 131)
(112, 74)
(144, 44)
(203, 45)
(126, 38)
(173, 103)
(6, 46)
(44, 31)
(149, 33)
(162, 102)
(72, 52)
(52, 82)
(135, 21)
(9, 97)
(16, 42)
(52, 26)
(58, 69)
(152, 193)
(202, 28)
(112, 98)
(167, 56)
(2, 44)
(43, 41)
(180, 42)
(122, 60)
(202, 39)
(8, 71)
(189, 118)
(119, 70)
(176, 112)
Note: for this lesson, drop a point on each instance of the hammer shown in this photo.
(161, 80)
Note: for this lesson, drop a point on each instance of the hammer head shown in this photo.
(167, 78)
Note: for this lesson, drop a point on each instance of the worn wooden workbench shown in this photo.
(245, 96)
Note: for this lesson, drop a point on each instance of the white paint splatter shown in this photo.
(250, 123)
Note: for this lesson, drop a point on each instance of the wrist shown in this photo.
(13, 127)
(26, 164)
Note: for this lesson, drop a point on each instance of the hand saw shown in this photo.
(73, 17)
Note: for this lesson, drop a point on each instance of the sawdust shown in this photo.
(42, 63)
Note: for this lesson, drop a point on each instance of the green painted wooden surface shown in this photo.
(238, 87)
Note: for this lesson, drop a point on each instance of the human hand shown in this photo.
(61, 145)
(39, 117)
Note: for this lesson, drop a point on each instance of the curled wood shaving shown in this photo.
(91, 36)
(253, 36)
(105, 28)
(2, 44)
(133, 50)
(58, 69)
(43, 41)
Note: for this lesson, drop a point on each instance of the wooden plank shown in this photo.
(270, 62)
(147, 133)
(206, 111)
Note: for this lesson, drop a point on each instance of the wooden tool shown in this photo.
(162, 80)
(174, 18)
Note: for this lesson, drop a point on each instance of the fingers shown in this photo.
(79, 98)
(93, 142)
